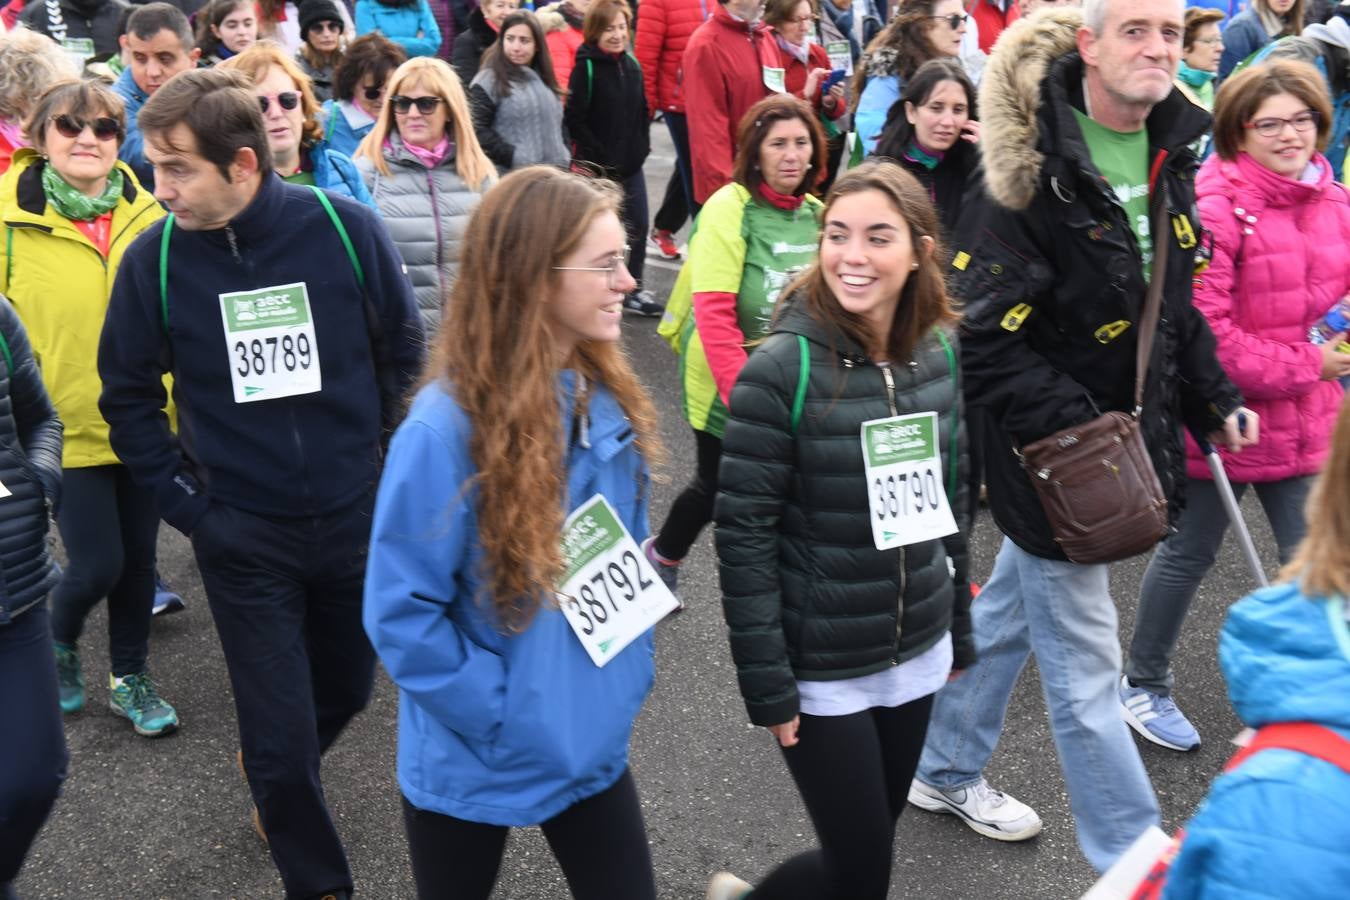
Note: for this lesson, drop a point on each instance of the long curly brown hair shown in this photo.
(497, 353)
(907, 35)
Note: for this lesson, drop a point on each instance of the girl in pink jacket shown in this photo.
(1280, 226)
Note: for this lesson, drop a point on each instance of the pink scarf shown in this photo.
(429, 158)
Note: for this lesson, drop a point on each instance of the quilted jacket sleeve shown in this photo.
(758, 463)
(38, 426)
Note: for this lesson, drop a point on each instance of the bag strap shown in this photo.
(803, 377)
(1148, 322)
(9, 356)
(1304, 737)
(342, 233)
(164, 272)
(951, 424)
(590, 81)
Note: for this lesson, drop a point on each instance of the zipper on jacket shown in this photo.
(900, 610)
(234, 244)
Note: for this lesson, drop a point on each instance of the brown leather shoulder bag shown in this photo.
(1096, 481)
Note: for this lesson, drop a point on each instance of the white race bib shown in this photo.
(774, 79)
(269, 334)
(80, 50)
(4, 491)
(610, 594)
(904, 480)
(841, 56)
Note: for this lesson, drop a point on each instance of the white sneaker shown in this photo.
(725, 886)
(988, 812)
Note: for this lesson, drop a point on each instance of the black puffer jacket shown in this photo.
(467, 52)
(606, 112)
(805, 591)
(30, 469)
(1050, 272)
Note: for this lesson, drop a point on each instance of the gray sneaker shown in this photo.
(669, 575)
(643, 303)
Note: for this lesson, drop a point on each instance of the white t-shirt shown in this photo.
(895, 686)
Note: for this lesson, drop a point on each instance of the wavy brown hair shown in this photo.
(906, 34)
(496, 354)
(924, 302)
(754, 130)
(1321, 565)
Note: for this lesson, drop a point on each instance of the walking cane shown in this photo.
(1230, 506)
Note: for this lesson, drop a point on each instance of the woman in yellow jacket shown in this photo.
(69, 211)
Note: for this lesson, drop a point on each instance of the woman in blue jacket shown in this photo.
(529, 411)
(300, 153)
(1256, 26)
(1275, 824)
(30, 472)
(408, 23)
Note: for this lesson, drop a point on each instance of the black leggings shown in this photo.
(600, 843)
(694, 507)
(853, 773)
(109, 525)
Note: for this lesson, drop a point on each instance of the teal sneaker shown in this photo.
(135, 697)
(68, 677)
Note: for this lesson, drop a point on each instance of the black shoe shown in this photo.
(643, 303)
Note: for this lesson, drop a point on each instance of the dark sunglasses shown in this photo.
(955, 20)
(335, 27)
(105, 128)
(373, 93)
(287, 99)
(425, 105)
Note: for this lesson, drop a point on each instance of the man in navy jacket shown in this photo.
(291, 333)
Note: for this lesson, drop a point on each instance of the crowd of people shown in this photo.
(262, 281)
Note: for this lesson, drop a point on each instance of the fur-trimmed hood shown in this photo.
(1010, 101)
(1030, 89)
(554, 18)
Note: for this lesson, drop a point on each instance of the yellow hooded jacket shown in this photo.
(60, 284)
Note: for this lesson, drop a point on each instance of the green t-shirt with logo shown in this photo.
(1122, 158)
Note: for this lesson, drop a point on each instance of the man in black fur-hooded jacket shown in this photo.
(1083, 135)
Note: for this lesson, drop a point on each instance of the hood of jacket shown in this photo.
(1286, 658)
(1031, 85)
(558, 17)
(796, 319)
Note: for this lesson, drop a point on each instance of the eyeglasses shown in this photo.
(286, 99)
(105, 128)
(954, 21)
(373, 93)
(335, 27)
(1209, 40)
(620, 262)
(1274, 126)
(425, 105)
(802, 20)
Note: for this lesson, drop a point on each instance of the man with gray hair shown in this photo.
(1084, 141)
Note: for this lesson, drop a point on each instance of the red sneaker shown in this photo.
(664, 242)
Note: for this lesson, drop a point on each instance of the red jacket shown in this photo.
(663, 30)
(795, 74)
(723, 77)
(991, 21)
(562, 38)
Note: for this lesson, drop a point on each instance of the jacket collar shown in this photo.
(125, 82)
(1273, 189)
(263, 214)
(727, 20)
(1030, 87)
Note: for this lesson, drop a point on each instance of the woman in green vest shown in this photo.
(753, 236)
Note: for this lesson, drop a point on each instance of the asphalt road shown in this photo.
(169, 818)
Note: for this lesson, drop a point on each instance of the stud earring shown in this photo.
(914, 265)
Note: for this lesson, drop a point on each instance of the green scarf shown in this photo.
(1194, 77)
(74, 204)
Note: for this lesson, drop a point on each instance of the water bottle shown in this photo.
(1336, 321)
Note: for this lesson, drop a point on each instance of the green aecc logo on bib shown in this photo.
(269, 308)
(889, 442)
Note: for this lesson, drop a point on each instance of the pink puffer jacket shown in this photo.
(1280, 262)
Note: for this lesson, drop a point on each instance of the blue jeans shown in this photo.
(1063, 613)
(1184, 559)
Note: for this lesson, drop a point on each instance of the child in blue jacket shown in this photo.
(528, 412)
(408, 23)
(1276, 825)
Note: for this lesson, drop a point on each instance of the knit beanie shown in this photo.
(312, 12)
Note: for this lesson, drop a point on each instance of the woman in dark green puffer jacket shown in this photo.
(839, 645)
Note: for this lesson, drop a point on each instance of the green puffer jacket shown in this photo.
(806, 593)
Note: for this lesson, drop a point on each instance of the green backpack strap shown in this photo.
(9, 357)
(590, 81)
(342, 233)
(803, 377)
(951, 425)
(9, 255)
(164, 272)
